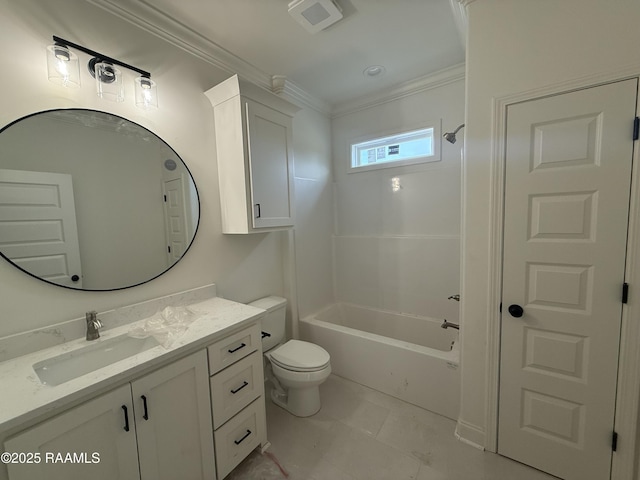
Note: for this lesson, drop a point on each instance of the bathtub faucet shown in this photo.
(446, 324)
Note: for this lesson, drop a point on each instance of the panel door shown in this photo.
(568, 174)
(270, 165)
(173, 421)
(94, 427)
(38, 225)
(175, 219)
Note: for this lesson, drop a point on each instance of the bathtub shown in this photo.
(406, 356)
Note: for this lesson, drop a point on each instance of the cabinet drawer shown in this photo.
(235, 387)
(233, 348)
(239, 436)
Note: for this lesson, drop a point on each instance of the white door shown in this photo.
(568, 175)
(94, 427)
(175, 219)
(270, 163)
(173, 421)
(38, 230)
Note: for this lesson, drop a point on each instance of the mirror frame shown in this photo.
(195, 186)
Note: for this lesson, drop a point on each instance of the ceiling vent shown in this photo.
(315, 15)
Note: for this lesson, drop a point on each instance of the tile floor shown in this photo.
(362, 434)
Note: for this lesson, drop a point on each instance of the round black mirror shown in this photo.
(92, 201)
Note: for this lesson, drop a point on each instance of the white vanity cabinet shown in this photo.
(254, 145)
(153, 428)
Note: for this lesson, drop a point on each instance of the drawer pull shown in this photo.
(242, 345)
(146, 409)
(265, 334)
(238, 442)
(126, 418)
(244, 384)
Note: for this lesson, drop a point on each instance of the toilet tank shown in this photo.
(273, 324)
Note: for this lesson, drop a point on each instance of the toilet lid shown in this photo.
(300, 356)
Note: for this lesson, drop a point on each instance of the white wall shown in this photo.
(520, 46)
(400, 251)
(314, 211)
(243, 267)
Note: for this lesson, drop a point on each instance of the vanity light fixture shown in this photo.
(146, 93)
(62, 66)
(109, 83)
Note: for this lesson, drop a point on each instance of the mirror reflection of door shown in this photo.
(38, 230)
(175, 218)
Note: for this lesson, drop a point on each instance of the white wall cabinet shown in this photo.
(254, 146)
(156, 427)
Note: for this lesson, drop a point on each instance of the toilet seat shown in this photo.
(299, 356)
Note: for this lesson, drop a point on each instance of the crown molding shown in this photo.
(147, 17)
(461, 20)
(420, 84)
(300, 97)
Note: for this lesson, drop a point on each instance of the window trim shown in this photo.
(436, 157)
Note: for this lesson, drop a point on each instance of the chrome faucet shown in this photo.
(446, 324)
(93, 324)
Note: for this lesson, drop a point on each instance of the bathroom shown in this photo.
(515, 51)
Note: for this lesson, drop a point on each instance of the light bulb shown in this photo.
(146, 93)
(62, 66)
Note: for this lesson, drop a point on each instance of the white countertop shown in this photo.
(24, 398)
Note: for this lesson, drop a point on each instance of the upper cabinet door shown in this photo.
(254, 150)
(270, 165)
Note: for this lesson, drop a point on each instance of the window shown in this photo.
(406, 148)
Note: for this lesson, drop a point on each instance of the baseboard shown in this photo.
(470, 434)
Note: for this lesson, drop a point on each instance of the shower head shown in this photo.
(451, 136)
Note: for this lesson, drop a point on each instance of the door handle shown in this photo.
(238, 442)
(244, 384)
(146, 409)
(126, 418)
(242, 345)
(516, 310)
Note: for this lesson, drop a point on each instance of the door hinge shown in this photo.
(614, 441)
(165, 198)
(169, 248)
(625, 292)
(636, 128)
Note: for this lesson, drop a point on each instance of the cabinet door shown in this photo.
(94, 427)
(270, 165)
(173, 421)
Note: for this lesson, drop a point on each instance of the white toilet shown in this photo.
(298, 367)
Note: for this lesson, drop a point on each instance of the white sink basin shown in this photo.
(97, 354)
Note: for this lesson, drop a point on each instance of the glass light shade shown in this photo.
(109, 82)
(146, 93)
(63, 67)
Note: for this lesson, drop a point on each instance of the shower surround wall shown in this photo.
(400, 251)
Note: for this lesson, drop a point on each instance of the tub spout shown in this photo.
(446, 324)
